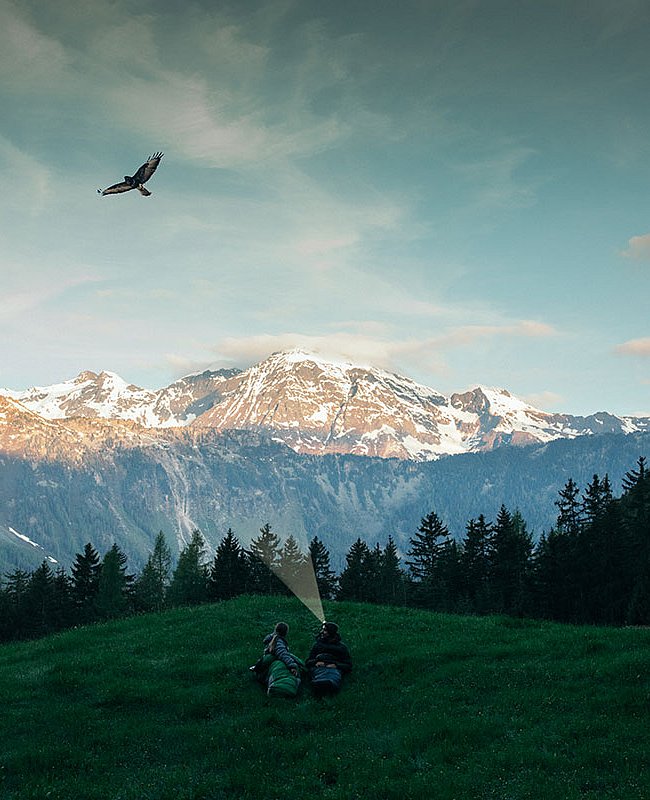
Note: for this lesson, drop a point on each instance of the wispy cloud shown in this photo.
(30, 179)
(638, 248)
(342, 345)
(546, 400)
(493, 182)
(30, 60)
(635, 347)
(468, 334)
(374, 345)
(23, 295)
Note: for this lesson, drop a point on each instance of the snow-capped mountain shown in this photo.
(107, 396)
(318, 406)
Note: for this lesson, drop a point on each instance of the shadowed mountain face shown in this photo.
(127, 488)
(314, 448)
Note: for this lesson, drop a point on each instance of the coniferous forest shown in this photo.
(592, 567)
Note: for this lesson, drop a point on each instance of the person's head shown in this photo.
(282, 629)
(329, 630)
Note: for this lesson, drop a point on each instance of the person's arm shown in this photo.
(281, 651)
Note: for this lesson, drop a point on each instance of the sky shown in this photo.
(456, 191)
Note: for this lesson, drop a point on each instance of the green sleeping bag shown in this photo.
(280, 681)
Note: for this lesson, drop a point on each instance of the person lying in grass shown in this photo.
(328, 660)
(278, 669)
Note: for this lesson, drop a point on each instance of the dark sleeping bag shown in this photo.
(325, 680)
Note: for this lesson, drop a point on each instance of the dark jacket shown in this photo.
(278, 647)
(330, 650)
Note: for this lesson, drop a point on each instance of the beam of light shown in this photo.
(296, 571)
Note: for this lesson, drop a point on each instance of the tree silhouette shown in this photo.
(150, 589)
(510, 563)
(112, 591)
(474, 562)
(425, 561)
(85, 581)
(263, 558)
(325, 578)
(189, 580)
(229, 570)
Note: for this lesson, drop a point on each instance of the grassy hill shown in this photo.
(162, 707)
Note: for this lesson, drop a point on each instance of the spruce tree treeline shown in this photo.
(592, 567)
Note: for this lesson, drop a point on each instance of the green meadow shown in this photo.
(162, 707)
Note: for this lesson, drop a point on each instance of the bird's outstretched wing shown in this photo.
(147, 169)
(117, 188)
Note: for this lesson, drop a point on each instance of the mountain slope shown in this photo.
(128, 493)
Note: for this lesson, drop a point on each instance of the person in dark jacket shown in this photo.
(328, 660)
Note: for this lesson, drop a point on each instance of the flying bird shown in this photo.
(136, 181)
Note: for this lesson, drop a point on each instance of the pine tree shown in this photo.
(570, 517)
(85, 582)
(635, 477)
(392, 580)
(596, 499)
(325, 577)
(510, 563)
(38, 602)
(448, 577)
(427, 548)
(112, 598)
(16, 593)
(7, 627)
(636, 506)
(475, 565)
(565, 559)
(189, 580)
(151, 585)
(263, 558)
(161, 563)
(63, 607)
(552, 564)
(598, 573)
(292, 565)
(635, 518)
(353, 580)
(228, 572)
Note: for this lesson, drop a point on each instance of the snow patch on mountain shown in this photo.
(29, 541)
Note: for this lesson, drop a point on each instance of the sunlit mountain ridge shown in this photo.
(315, 406)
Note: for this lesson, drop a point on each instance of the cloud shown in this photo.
(29, 59)
(468, 334)
(493, 183)
(638, 248)
(236, 98)
(546, 400)
(24, 290)
(352, 347)
(371, 345)
(635, 347)
(29, 178)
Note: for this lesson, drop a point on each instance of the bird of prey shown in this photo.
(136, 181)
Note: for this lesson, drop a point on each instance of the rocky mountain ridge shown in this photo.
(312, 405)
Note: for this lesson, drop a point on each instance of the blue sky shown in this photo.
(456, 191)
